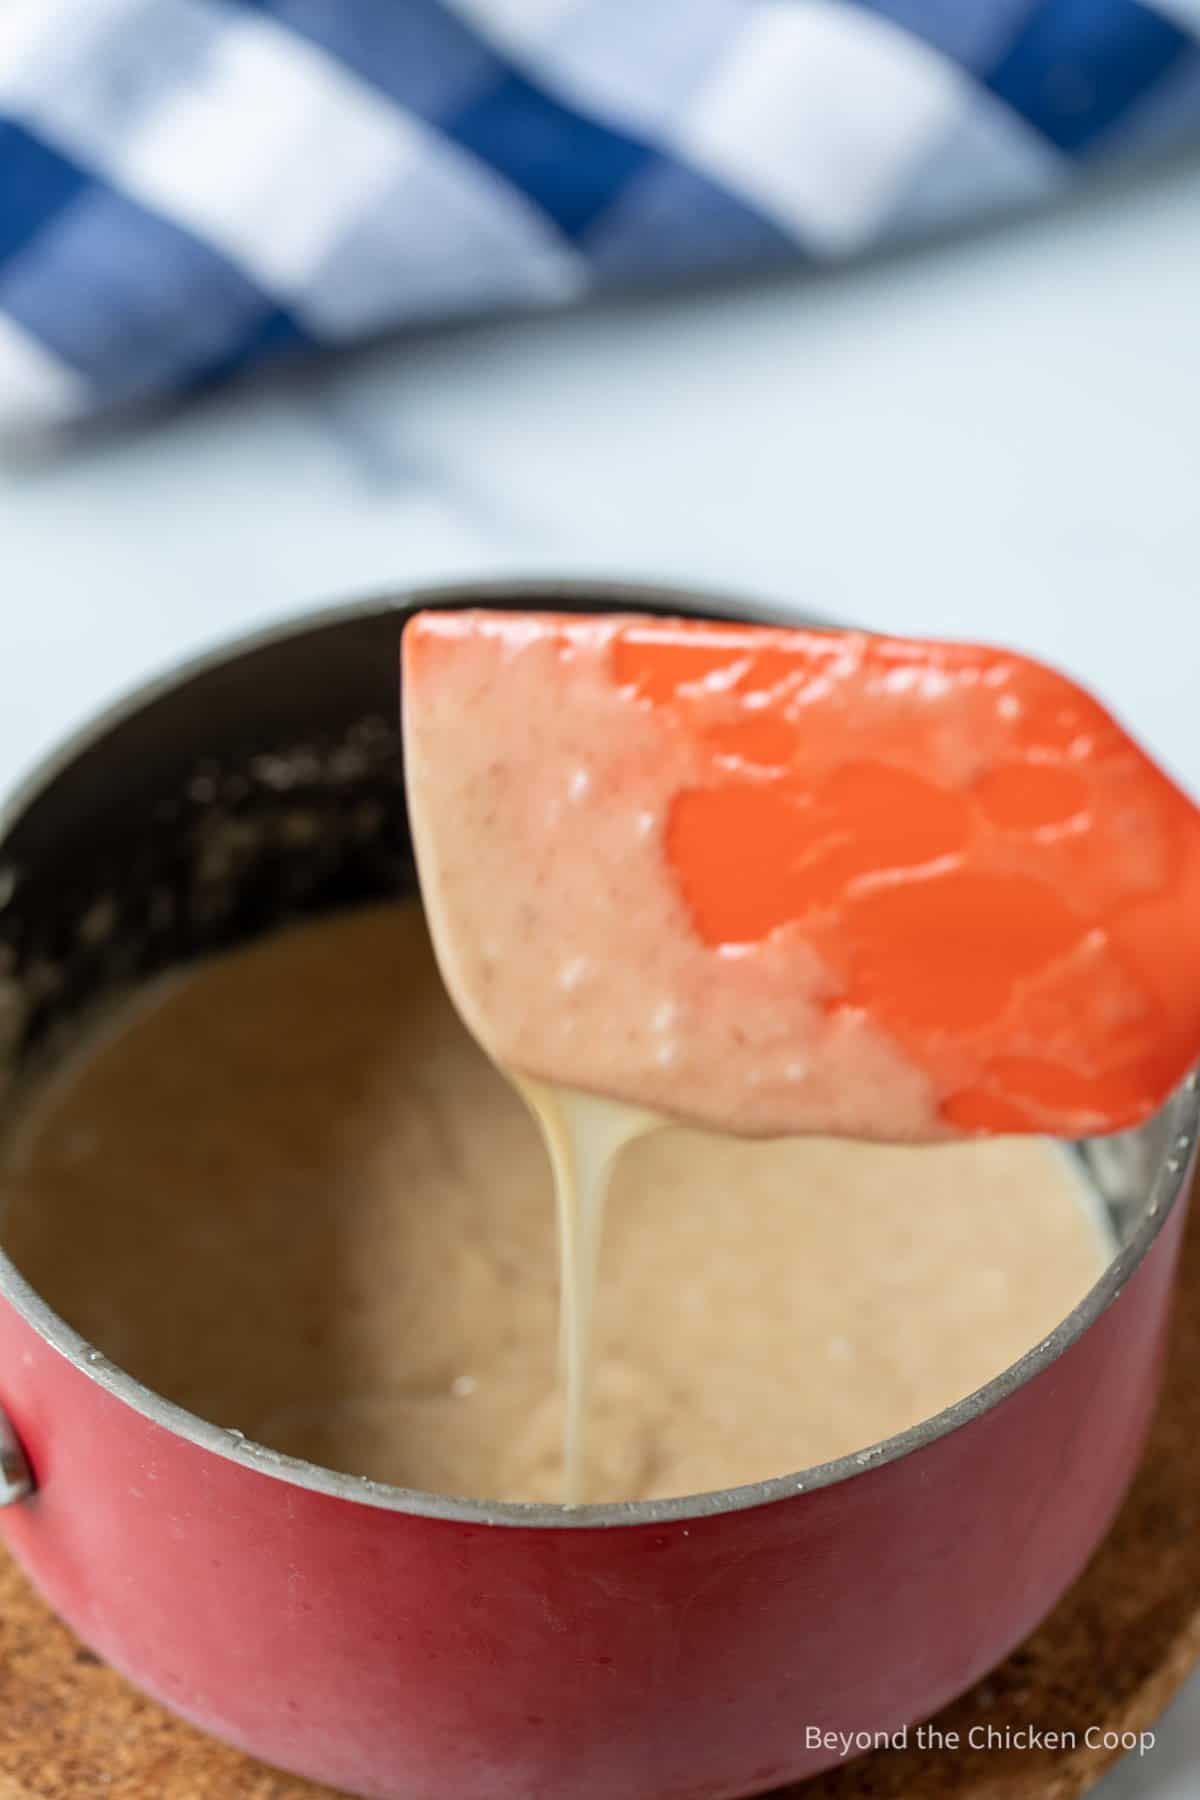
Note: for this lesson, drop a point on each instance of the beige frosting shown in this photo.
(535, 857)
(291, 1193)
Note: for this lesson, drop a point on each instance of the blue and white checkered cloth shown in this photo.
(188, 187)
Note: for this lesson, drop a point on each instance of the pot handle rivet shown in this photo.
(16, 1478)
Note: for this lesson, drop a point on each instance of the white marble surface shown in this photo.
(995, 436)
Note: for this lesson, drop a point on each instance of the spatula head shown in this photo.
(777, 881)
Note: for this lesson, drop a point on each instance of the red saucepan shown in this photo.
(408, 1646)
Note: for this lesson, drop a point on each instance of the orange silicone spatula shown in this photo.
(776, 880)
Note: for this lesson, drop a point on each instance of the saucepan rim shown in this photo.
(1181, 1116)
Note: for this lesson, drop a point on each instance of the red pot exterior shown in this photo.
(411, 1658)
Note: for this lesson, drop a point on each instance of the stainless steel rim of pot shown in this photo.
(1177, 1125)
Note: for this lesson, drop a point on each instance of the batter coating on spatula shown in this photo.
(779, 881)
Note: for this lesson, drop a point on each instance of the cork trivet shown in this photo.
(1111, 1656)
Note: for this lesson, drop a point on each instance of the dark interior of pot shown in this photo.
(264, 789)
(260, 790)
